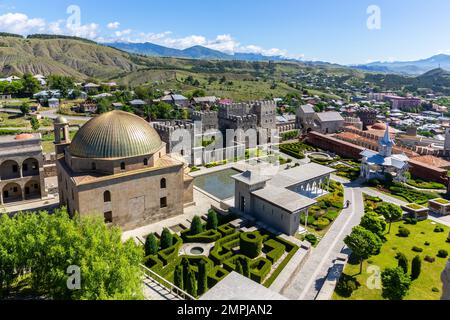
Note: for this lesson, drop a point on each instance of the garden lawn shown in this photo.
(421, 289)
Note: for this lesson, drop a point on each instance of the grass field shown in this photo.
(422, 288)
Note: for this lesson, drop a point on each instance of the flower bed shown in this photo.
(416, 211)
(439, 206)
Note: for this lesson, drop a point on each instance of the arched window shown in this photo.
(107, 196)
(163, 183)
(145, 162)
(122, 166)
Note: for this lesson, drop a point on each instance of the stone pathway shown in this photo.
(308, 282)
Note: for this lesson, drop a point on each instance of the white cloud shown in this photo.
(113, 25)
(89, 30)
(122, 33)
(21, 23)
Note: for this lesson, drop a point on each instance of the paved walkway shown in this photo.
(308, 282)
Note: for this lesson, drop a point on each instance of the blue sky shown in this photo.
(328, 30)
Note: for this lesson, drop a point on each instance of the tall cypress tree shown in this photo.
(178, 277)
(239, 268)
(202, 278)
(213, 220)
(185, 267)
(196, 226)
(191, 285)
(245, 268)
(166, 239)
(151, 245)
(403, 262)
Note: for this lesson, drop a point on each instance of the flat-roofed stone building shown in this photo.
(280, 199)
(117, 167)
(21, 169)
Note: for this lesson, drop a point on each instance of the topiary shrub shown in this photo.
(209, 236)
(402, 262)
(216, 275)
(416, 267)
(321, 223)
(442, 254)
(346, 285)
(151, 245)
(429, 259)
(311, 239)
(196, 226)
(251, 244)
(438, 229)
(213, 220)
(166, 239)
(226, 229)
(417, 249)
(259, 269)
(403, 232)
(274, 250)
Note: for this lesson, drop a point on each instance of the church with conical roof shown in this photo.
(375, 165)
(117, 167)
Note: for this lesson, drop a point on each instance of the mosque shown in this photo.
(117, 167)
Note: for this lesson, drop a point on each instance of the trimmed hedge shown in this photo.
(276, 250)
(204, 237)
(216, 275)
(259, 269)
(251, 244)
(230, 263)
(167, 255)
(194, 261)
(219, 253)
(281, 266)
(226, 230)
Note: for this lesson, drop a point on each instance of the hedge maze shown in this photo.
(254, 253)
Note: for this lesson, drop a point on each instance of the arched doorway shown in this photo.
(12, 192)
(32, 190)
(30, 167)
(9, 170)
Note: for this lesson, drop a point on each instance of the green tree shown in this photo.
(363, 244)
(196, 226)
(396, 283)
(35, 124)
(54, 243)
(178, 277)
(30, 84)
(151, 245)
(373, 222)
(213, 220)
(390, 212)
(166, 239)
(191, 285)
(402, 262)
(416, 267)
(61, 83)
(25, 109)
(202, 278)
(185, 265)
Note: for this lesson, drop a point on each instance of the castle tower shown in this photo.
(447, 139)
(62, 134)
(386, 144)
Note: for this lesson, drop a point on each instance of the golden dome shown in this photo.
(116, 134)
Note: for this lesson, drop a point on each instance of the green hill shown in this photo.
(77, 58)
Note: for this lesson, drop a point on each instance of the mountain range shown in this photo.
(195, 52)
(417, 67)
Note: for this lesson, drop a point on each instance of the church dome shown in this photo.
(116, 134)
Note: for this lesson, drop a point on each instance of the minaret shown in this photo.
(386, 144)
(62, 134)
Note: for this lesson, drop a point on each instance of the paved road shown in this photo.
(308, 282)
(51, 114)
